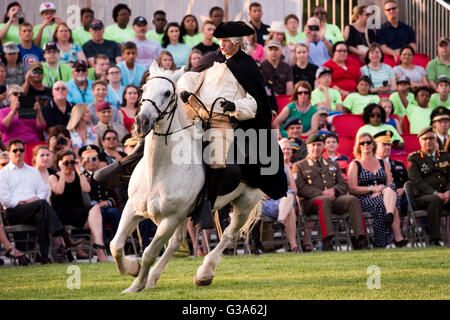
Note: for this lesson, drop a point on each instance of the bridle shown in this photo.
(166, 112)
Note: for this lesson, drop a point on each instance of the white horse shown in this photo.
(166, 192)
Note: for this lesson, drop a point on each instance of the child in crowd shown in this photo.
(441, 97)
(101, 66)
(330, 152)
(324, 125)
(43, 32)
(403, 97)
(323, 95)
(293, 36)
(387, 105)
(356, 102)
(189, 31)
(53, 70)
(132, 72)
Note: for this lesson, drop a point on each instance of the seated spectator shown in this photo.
(374, 118)
(277, 31)
(43, 32)
(255, 14)
(283, 210)
(80, 87)
(105, 122)
(323, 95)
(416, 74)
(383, 141)
(194, 58)
(41, 162)
(111, 143)
(67, 186)
(441, 97)
(4, 159)
(440, 121)
(429, 172)
(419, 113)
(57, 112)
(69, 52)
(82, 132)
(90, 163)
(344, 75)
(331, 142)
(275, 70)
(302, 69)
(294, 128)
(3, 87)
(370, 179)
(207, 45)
(26, 202)
(322, 186)
(189, 31)
(12, 126)
(101, 66)
(299, 151)
(160, 22)
(130, 107)
(120, 31)
(33, 86)
(132, 72)
(300, 107)
(324, 125)
(394, 34)
(10, 251)
(293, 36)
(216, 15)
(402, 97)
(53, 70)
(328, 31)
(15, 70)
(441, 64)
(99, 45)
(388, 107)
(319, 46)
(165, 61)
(81, 34)
(254, 49)
(382, 76)
(14, 17)
(100, 92)
(28, 51)
(115, 86)
(147, 50)
(58, 140)
(356, 102)
(358, 36)
(173, 42)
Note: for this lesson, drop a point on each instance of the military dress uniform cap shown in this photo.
(296, 143)
(91, 149)
(315, 138)
(293, 121)
(232, 29)
(440, 113)
(384, 136)
(424, 131)
(131, 142)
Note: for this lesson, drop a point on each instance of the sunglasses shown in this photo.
(37, 71)
(15, 94)
(365, 143)
(302, 93)
(3, 164)
(375, 115)
(80, 70)
(18, 150)
(69, 163)
(60, 89)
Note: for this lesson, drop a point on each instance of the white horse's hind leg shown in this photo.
(164, 232)
(242, 207)
(174, 244)
(128, 222)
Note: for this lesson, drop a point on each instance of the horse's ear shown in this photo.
(177, 75)
(154, 68)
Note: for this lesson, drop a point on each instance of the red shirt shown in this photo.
(345, 79)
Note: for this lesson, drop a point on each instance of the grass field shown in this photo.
(405, 274)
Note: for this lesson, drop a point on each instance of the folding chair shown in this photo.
(414, 233)
(279, 237)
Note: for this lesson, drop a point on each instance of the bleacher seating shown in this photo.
(282, 101)
(389, 60)
(346, 144)
(421, 59)
(348, 124)
(28, 157)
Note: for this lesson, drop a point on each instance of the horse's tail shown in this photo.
(254, 217)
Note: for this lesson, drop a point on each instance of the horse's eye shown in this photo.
(167, 94)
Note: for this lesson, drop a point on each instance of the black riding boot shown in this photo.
(110, 176)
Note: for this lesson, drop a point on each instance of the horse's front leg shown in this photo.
(163, 233)
(128, 223)
(174, 244)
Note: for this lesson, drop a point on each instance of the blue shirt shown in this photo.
(134, 76)
(318, 52)
(76, 95)
(396, 38)
(29, 56)
(114, 97)
(180, 54)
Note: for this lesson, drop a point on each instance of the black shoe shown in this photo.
(401, 243)
(361, 243)
(69, 242)
(278, 226)
(257, 251)
(45, 260)
(435, 243)
(389, 220)
(327, 244)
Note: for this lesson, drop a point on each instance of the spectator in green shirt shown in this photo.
(53, 70)
(160, 22)
(356, 102)
(419, 114)
(441, 97)
(9, 29)
(189, 31)
(43, 32)
(293, 36)
(329, 31)
(402, 97)
(441, 64)
(121, 31)
(81, 35)
(323, 95)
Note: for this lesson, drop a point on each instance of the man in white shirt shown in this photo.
(148, 50)
(24, 194)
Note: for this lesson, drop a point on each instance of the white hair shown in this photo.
(240, 40)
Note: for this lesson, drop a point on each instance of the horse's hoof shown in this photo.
(202, 283)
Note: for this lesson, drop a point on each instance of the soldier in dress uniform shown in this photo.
(383, 140)
(320, 183)
(440, 121)
(429, 171)
(294, 129)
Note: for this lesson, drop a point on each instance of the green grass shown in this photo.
(405, 274)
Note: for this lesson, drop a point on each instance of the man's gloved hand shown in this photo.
(228, 106)
(185, 96)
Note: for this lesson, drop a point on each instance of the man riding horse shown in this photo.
(226, 91)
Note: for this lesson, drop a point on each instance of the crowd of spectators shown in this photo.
(74, 95)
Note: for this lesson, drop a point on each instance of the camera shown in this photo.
(61, 141)
(314, 28)
(52, 19)
(2, 89)
(385, 83)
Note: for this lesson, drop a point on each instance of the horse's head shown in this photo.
(159, 98)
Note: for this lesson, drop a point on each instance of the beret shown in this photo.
(293, 121)
(315, 138)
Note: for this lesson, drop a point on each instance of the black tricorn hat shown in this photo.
(233, 29)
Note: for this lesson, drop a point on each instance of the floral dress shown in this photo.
(78, 143)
